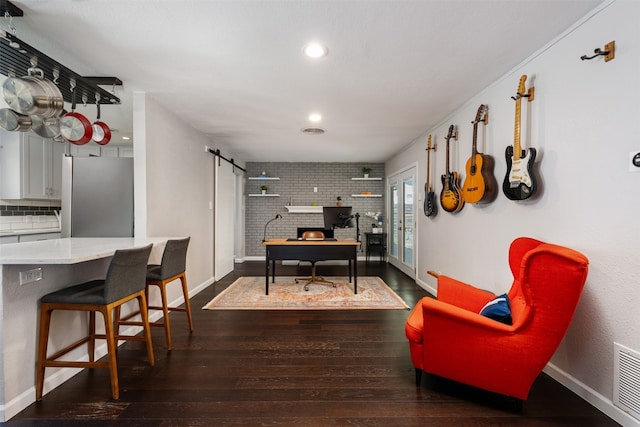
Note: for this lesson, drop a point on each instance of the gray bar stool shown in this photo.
(172, 267)
(125, 281)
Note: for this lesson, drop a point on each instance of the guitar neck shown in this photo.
(474, 146)
(448, 172)
(517, 149)
(429, 148)
(429, 169)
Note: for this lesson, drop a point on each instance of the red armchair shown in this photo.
(449, 338)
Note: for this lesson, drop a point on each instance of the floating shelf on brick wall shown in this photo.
(304, 209)
(366, 195)
(264, 178)
(264, 195)
(367, 179)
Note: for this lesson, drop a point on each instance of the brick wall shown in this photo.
(295, 187)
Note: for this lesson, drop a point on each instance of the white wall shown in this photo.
(583, 123)
(174, 186)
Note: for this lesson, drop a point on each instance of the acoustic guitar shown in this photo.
(519, 182)
(430, 206)
(479, 183)
(451, 196)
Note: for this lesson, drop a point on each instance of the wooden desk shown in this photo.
(319, 250)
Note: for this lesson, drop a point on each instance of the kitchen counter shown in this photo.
(59, 263)
(69, 250)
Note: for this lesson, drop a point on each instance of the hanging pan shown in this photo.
(101, 132)
(46, 127)
(33, 94)
(12, 121)
(75, 127)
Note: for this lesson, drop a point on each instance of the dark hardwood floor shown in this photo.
(292, 368)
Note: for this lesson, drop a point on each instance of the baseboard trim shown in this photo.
(294, 262)
(590, 395)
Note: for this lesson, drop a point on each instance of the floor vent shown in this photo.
(626, 380)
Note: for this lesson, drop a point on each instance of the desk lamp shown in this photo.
(264, 238)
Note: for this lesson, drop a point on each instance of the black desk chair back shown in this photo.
(313, 235)
(125, 281)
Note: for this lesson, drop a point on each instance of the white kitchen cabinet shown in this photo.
(30, 166)
(125, 151)
(42, 167)
(88, 150)
(93, 150)
(109, 151)
(10, 165)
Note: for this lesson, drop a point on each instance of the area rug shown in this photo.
(248, 293)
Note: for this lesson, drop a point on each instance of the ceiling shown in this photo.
(235, 70)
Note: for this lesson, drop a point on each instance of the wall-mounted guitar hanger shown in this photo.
(609, 52)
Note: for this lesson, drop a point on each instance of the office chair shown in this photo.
(314, 235)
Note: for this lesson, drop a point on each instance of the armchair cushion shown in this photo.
(498, 309)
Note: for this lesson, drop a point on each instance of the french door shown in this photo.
(402, 220)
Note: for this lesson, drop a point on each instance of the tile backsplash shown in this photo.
(22, 210)
(22, 215)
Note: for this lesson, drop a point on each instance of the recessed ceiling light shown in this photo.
(315, 50)
(126, 138)
(315, 117)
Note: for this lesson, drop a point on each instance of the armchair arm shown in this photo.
(461, 294)
(454, 316)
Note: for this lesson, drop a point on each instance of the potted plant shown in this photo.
(264, 189)
(338, 201)
(366, 171)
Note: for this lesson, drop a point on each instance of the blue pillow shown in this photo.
(498, 309)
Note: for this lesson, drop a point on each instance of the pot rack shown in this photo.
(16, 57)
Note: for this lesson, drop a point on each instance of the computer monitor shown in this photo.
(337, 217)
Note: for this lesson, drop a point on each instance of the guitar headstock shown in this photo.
(452, 133)
(481, 114)
(521, 85)
(521, 90)
(430, 145)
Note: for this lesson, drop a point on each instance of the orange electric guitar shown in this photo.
(519, 182)
(451, 196)
(479, 183)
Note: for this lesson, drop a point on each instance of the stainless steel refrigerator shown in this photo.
(97, 197)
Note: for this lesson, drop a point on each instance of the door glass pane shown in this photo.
(393, 220)
(408, 221)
